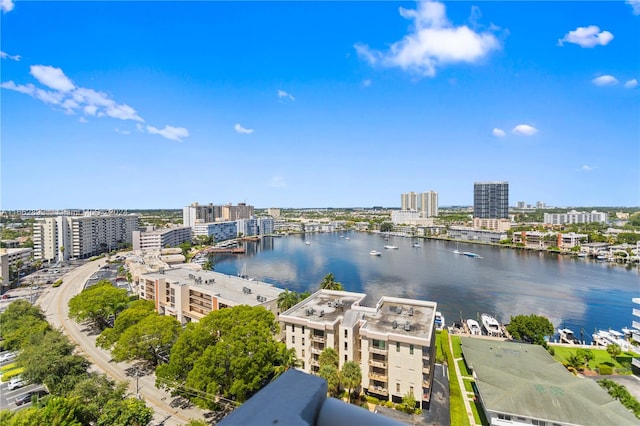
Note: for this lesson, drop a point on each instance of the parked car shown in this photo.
(26, 398)
(16, 383)
(7, 356)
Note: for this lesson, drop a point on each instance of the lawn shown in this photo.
(601, 356)
(457, 346)
(468, 385)
(457, 409)
(463, 368)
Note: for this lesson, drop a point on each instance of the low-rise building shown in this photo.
(158, 239)
(500, 225)
(521, 384)
(220, 231)
(188, 294)
(574, 216)
(11, 258)
(393, 342)
(472, 234)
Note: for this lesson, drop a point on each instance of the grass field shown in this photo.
(601, 356)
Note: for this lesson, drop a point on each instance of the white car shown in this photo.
(15, 383)
(6, 356)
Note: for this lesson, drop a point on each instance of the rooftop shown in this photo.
(402, 317)
(522, 379)
(324, 306)
(228, 287)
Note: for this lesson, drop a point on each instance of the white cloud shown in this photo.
(5, 55)
(140, 127)
(432, 42)
(27, 89)
(242, 130)
(605, 80)
(123, 112)
(283, 94)
(90, 110)
(635, 6)
(169, 132)
(6, 5)
(586, 168)
(52, 77)
(53, 98)
(590, 36)
(499, 133)
(631, 84)
(524, 130)
(366, 83)
(122, 132)
(83, 120)
(277, 182)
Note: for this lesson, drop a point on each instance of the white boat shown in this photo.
(391, 247)
(439, 320)
(347, 238)
(308, 243)
(491, 325)
(566, 336)
(416, 245)
(470, 254)
(474, 327)
(375, 253)
(582, 254)
(456, 251)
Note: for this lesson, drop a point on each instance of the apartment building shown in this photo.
(393, 342)
(501, 225)
(241, 211)
(257, 226)
(10, 258)
(472, 234)
(65, 237)
(491, 200)
(220, 231)
(574, 216)
(189, 294)
(543, 240)
(425, 203)
(158, 239)
(196, 213)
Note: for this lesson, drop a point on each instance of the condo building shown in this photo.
(393, 342)
(158, 239)
(220, 231)
(574, 217)
(11, 258)
(491, 200)
(65, 237)
(188, 294)
(425, 203)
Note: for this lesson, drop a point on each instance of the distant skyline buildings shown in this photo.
(425, 203)
(491, 200)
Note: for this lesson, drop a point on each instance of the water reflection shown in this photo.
(573, 293)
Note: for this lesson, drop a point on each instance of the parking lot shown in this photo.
(8, 396)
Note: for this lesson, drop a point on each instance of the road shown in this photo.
(54, 303)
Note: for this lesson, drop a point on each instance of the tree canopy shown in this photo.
(530, 328)
(329, 283)
(97, 303)
(351, 376)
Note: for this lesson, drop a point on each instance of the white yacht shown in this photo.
(439, 320)
(491, 325)
(375, 253)
(566, 336)
(308, 243)
(474, 327)
(391, 247)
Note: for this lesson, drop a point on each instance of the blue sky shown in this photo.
(317, 104)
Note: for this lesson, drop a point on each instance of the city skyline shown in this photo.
(256, 102)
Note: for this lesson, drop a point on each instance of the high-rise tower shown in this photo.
(491, 200)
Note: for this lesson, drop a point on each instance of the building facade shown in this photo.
(241, 211)
(158, 239)
(66, 237)
(188, 294)
(500, 225)
(491, 200)
(393, 342)
(472, 234)
(220, 231)
(426, 203)
(196, 213)
(574, 217)
(12, 258)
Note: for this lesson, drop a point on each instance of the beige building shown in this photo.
(189, 294)
(10, 258)
(393, 342)
(500, 225)
(158, 239)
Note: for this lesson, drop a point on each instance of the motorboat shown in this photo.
(347, 238)
(439, 320)
(308, 243)
(470, 254)
(391, 247)
(416, 245)
(375, 253)
(491, 325)
(474, 327)
(566, 336)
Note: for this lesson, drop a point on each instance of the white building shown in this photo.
(65, 237)
(158, 239)
(10, 258)
(410, 217)
(196, 213)
(472, 234)
(426, 203)
(188, 294)
(574, 217)
(220, 231)
(393, 342)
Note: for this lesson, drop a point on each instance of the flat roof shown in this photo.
(524, 380)
(228, 287)
(392, 314)
(324, 306)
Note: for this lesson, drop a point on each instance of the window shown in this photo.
(411, 390)
(398, 387)
(504, 417)
(346, 359)
(410, 349)
(397, 346)
(346, 333)
(293, 328)
(345, 346)
(303, 341)
(293, 339)
(303, 353)
(303, 329)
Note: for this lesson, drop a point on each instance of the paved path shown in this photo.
(54, 303)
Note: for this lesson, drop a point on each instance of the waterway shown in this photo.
(580, 294)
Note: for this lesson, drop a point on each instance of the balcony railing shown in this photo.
(315, 350)
(378, 377)
(426, 369)
(425, 384)
(320, 339)
(377, 363)
(635, 324)
(375, 350)
(378, 390)
(314, 362)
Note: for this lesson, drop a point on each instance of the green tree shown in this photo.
(147, 340)
(19, 321)
(408, 403)
(56, 411)
(575, 361)
(330, 373)
(586, 354)
(93, 393)
(613, 350)
(386, 227)
(126, 412)
(329, 356)
(97, 303)
(329, 283)
(351, 376)
(286, 359)
(287, 299)
(530, 328)
(136, 312)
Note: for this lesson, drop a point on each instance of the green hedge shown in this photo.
(12, 373)
(605, 369)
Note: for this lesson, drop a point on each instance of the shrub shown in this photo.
(12, 373)
(372, 399)
(605, 369)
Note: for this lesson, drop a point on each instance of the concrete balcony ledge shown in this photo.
(300, 399)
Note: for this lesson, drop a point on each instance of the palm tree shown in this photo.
(287, 359)
(287, 299)
(329, 283)
(613, 350)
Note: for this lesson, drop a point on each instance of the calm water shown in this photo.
(571, 292)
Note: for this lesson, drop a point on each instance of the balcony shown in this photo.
(425, 385)
(319, 339)
(379, 390)
(377, 363)
(375, 350)
(635, 324)
(314, 362)
(378, 377)
(426, 369)
(314, 350)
